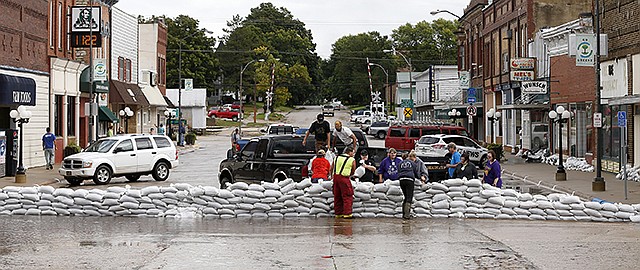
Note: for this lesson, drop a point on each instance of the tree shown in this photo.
(285, 37)
(286, 77)
(427, 43)
(198, 60)
(346, 76)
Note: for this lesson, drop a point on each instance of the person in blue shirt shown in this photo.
(455, 159)
(48, 146)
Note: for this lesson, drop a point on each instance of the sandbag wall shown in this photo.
(454, 198)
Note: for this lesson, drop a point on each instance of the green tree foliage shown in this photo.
(285, 37)
(345, 73)
(286, 77)
(201, 66)
(427, 43)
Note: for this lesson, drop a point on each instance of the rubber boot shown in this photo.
(406, 210)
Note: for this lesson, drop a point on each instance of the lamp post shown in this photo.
(21, 117)
(453, 113)
(169, 116)
(242, 69)
(393, 50)
(560, 116)
(126, 113)
(180, 40)
(444, 11)
(493, 116)
(387, 86)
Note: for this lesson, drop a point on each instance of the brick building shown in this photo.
(620, 80)
(152, 37)
(24, 73)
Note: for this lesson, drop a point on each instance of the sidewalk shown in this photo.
(577, 181)
(41, 176)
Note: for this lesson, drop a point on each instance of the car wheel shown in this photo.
(102, 176)
(279, 176)
(133, 177)
(225, 180)
(381, 135)
(74, 181)
(234, 119)
(161, 171)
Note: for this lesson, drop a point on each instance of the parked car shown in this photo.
(225, 113)
(355, 114)
(128, 155)
(236, 105)
(436, 146)
(327, 110)
(362, 119)
(403, 137)
(279, 129)
(538, 138)
(379, 129)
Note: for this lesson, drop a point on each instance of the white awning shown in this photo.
(152, 93)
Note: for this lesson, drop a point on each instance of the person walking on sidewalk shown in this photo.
(49, 147)
(466, 169)
(321, 130)
(161, 129)
(492, 170)
(408, 172)
(343, 168)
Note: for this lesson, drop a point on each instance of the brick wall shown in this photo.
(621, 22)
(574, 84)
(58, 12)
(23, 34)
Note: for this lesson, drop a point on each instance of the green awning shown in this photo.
(106, 115)
(98, 87)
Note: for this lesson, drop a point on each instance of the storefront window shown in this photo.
(71, 116)
(58, 116)
(611, 132)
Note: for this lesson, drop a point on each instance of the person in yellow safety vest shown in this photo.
(343, 168)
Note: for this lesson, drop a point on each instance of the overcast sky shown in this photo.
(327, 19)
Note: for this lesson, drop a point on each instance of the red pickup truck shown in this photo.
(225, 113)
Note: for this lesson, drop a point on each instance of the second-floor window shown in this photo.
(124, 69)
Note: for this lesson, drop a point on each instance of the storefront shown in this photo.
(30, 89)
(101, 92)
(124, 95)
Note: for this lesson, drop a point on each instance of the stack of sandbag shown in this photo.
(633, 173)
(577, 164)
(453, 198)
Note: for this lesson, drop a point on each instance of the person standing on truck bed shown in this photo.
(343, 168)
(320, 129)
(345, 135)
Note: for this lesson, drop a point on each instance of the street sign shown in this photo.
(408, 103)
(471, 95)
(622, 119)
(471, 100)
(464, 79)
(472, 110)
(375, 96)
(408, 112)
(597, 120)
(188, 84)
(99, 69)
(585, 50)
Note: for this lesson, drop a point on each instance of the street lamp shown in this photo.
(493, 116)
(560, 116)
(394, 51)
(444, 11)
(126, 113)
(240, 90)
(168, 115)
(453, 113)
(387, 86)
(180, 40)
(20, 116)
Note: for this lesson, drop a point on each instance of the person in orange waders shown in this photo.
(343, 168)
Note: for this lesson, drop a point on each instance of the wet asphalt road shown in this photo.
(145, 243)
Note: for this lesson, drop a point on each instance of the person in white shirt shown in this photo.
(345, 135)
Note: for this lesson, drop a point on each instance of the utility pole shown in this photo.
(598, 183)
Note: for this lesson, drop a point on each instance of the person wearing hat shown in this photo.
(320, 129)
(368, 165)
(320, 167)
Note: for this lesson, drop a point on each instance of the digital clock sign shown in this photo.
(85, 40)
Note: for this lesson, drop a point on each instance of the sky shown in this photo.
(328, 20)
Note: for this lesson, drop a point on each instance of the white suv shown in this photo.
(125, 155)
(436, 146)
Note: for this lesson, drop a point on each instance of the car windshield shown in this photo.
(101, 146)
(380, 124)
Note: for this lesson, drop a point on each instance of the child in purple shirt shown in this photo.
(492, 171)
